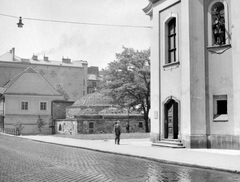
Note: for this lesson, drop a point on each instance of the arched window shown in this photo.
(172, 41)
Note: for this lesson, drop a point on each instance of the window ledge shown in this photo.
(220, 118)
(171, 65)
(219, 49)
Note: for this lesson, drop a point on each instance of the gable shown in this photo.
(31, 83)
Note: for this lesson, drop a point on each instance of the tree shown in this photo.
(127, 80)
(59, 88)
(40, 123)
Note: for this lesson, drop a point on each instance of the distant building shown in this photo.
(93, 79)
(94, 113)
(70, 75)
(25, 98)
(195, 78)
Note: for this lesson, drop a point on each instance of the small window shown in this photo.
(94, 84)
(24, 105)
(222, 107)
(43, 106)
(140, 124)
(91, 127)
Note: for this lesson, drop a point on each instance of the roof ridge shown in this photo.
(15, 78)
(30, 70)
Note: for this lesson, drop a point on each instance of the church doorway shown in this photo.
(171, 120)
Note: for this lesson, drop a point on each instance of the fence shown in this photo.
(11, 131)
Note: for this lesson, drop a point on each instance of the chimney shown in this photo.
(66, 60)
(35, 57)
(45, 58)
(13, 53)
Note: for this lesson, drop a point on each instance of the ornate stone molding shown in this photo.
(219, 49)
(148, 10)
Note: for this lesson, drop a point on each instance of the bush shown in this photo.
(19, 127)
(40, 123)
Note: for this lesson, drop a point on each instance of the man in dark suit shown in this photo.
(117, 130)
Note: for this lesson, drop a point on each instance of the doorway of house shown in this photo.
(171, 120)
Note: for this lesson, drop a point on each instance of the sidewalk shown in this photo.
(225, 160)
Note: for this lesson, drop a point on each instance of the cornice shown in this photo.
(148, 10)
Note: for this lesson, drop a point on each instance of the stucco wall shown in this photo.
(234, 14)
(70, 78)
(220, 74)
(170, 75)
(201, 76)
(220, 83)
(28, 118)
(29, 123)
(13, 104)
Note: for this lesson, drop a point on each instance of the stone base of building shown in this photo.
(212, 141)
(194, 141)
(154, 137)
(205, 141)
(224, 142)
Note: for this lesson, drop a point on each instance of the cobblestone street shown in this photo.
(25, 160)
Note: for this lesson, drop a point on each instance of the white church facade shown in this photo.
(195, 72)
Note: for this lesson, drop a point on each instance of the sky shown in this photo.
(95, 44)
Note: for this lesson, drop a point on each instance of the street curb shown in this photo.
(142, 157)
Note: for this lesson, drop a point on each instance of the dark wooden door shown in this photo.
(171, 120)
(175, 120)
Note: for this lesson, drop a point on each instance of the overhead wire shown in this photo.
(74, 22)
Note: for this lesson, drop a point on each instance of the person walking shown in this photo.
(117, 130)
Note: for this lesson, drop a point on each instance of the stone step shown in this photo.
(167, 145)
(172, 143)
(169, 139)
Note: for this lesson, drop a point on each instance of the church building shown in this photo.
(195, 78)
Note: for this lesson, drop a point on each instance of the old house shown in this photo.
(25, 98)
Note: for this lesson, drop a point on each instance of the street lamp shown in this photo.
(20, 24)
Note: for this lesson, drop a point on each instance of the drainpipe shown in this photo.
(3, 98)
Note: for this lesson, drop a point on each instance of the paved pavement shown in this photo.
(225, 160)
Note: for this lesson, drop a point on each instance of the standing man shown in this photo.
(117, 130)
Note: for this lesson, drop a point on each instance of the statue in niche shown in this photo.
(218, 27)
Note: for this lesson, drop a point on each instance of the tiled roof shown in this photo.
(58, 63)
(93, 99)
(8, 57)
(112, 110)
(88, 111)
